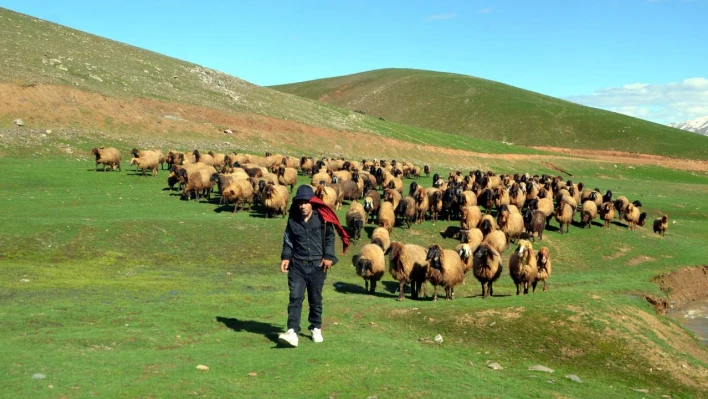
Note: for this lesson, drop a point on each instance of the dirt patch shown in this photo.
(639, 260)
(632, 158)
(685, 285)
(617, 254)
(554, 167)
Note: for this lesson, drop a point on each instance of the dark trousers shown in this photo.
(305, 275)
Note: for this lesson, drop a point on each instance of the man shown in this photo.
(307, 255)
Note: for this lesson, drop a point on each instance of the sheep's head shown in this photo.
(269, 190)
(542, 258)
(281, 170)
(395, 251)
(135, 152)
(664, 219)
(524, 249)
(214, 177)
(503, 217)
(486, 226)
(434, 256)
(134, 161)
(465, 252)
(607, 207)
(642, 219)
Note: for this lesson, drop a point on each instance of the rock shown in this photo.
(19, 122)
(642, 390)
(228, 131)
(62, 67)
(252, 374)
(541, 368)
(48, 131)
(495, 366)
(38, 376)
(202, 367)
(438, 338)
(573, 377)
(24, 280)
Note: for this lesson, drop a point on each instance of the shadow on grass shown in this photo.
(348, 288)
(268, 330)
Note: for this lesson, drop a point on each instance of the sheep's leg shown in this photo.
(518, 290)
(448, 295)
(366, 285)
(435, 292)
(534, 285)
(373, 287)
(526, 287)
(401, 294)
(491, 289)
(544, 286)
(484, 291)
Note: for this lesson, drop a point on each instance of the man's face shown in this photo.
(305, 208)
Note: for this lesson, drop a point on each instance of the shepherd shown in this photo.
(307, 255)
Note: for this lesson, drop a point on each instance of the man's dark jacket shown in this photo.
(304, 242)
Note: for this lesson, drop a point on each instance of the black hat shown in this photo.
(304, 193)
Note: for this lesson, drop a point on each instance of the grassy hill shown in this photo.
(41, 54)
(480, 108)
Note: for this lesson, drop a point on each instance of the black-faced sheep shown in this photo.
(544, 205)
(219, 158)
(473, 237)
(328, 195)
(632, 215)
(287, 177)
(199, 183)
(370, 265)
(487, 267)
(406, 210)
(203, 158)
(445, 267)
(275, 200)
(607, 213)
(306, 165)
(535, 222)
(408, 264)
(386, 217)
(661, 225)
(434, 202)
(382, 238)
(522, 266)
(621, 204)
(543, 262)
(347, 190)
(564, 216)
(107, 157)
(356, 219)
(392, 196)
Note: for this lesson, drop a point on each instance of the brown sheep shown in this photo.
(306, 165)
(661, 225)
(468, 198)
(496, 239)
(386, 217)
(543, 262)
(408, 264)
(287, 177)
(238, 192)
(472, 237)
(607, 213)
(621, 204)
(203, 158)
(522, 266)
(328, 195)
(219, 158)
(382, 238)
(535, 222)
(275, 200)
(447, 268)
(356, 219)
(370, 264)
(435, 203)
(392, 196)
(631, 216)
(471, 216)
(512, 224)
(466, 252)
(199, 183)
(517, 196)
(544, 205)
(564, 216)
(421, 205)
(372, 202)
(319, 177)
(107, 157)
(406, 210)
(487, 267)
(588, 213)
(501, 197)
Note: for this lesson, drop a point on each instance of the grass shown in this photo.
(129, 289)
(473, 107)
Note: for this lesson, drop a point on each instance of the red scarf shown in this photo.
(329, 216)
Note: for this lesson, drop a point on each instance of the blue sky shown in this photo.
(646, 58)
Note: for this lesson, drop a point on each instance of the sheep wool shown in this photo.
(450, 266)
(408, 264)
(487, 267)
(356, 219)
(382, 238)
(661, 225)
(386, 217)
(107, 157)
(543, 262)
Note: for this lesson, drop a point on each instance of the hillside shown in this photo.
(490, 110)
(56, 76)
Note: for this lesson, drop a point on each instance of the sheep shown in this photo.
(543, 263)
(161, 158)
(434, 203)
(568, 199)
(564, 216)
(406, 210)
(275, 200)
(421, 205)
(473, 237)
(544, 205)
(486, 199)
(501, 197)
(287, 177)
(203, 158)
(512, 224)
(661, 225)
(372, 202)
(392, 196)
(632, 216)
(146, 162)
(408, 264)
(465, 251)
(522, 266)
(535, 222)
(607, 213)
(588, 213)
(468, 198)
(382, 238)
(327, 194)
(471, 216)
(306, 165)
(497, 239)
(370, 264)
(319, 177)
(517, 196)
(219, 158)
(107, 157)
(621, 204)
(451, 201)
(446, 268)
(356, 219)
(426, 170)
(487, 267)
(200, 183)
(347, 190)
(487, 224)
(238, 192)
(386, 217)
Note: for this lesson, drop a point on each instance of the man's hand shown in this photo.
(326, 264)
(284, 265)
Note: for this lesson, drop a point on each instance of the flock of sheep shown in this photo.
(523, 206)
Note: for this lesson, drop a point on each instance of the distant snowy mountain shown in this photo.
(698, 125)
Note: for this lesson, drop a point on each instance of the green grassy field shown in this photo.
(114, 287)
(474, 107)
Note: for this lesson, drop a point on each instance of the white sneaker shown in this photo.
(289, 338)
(317, 335)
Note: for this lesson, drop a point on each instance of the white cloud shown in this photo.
(438, 17)
(486, 10)
(662, 103)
